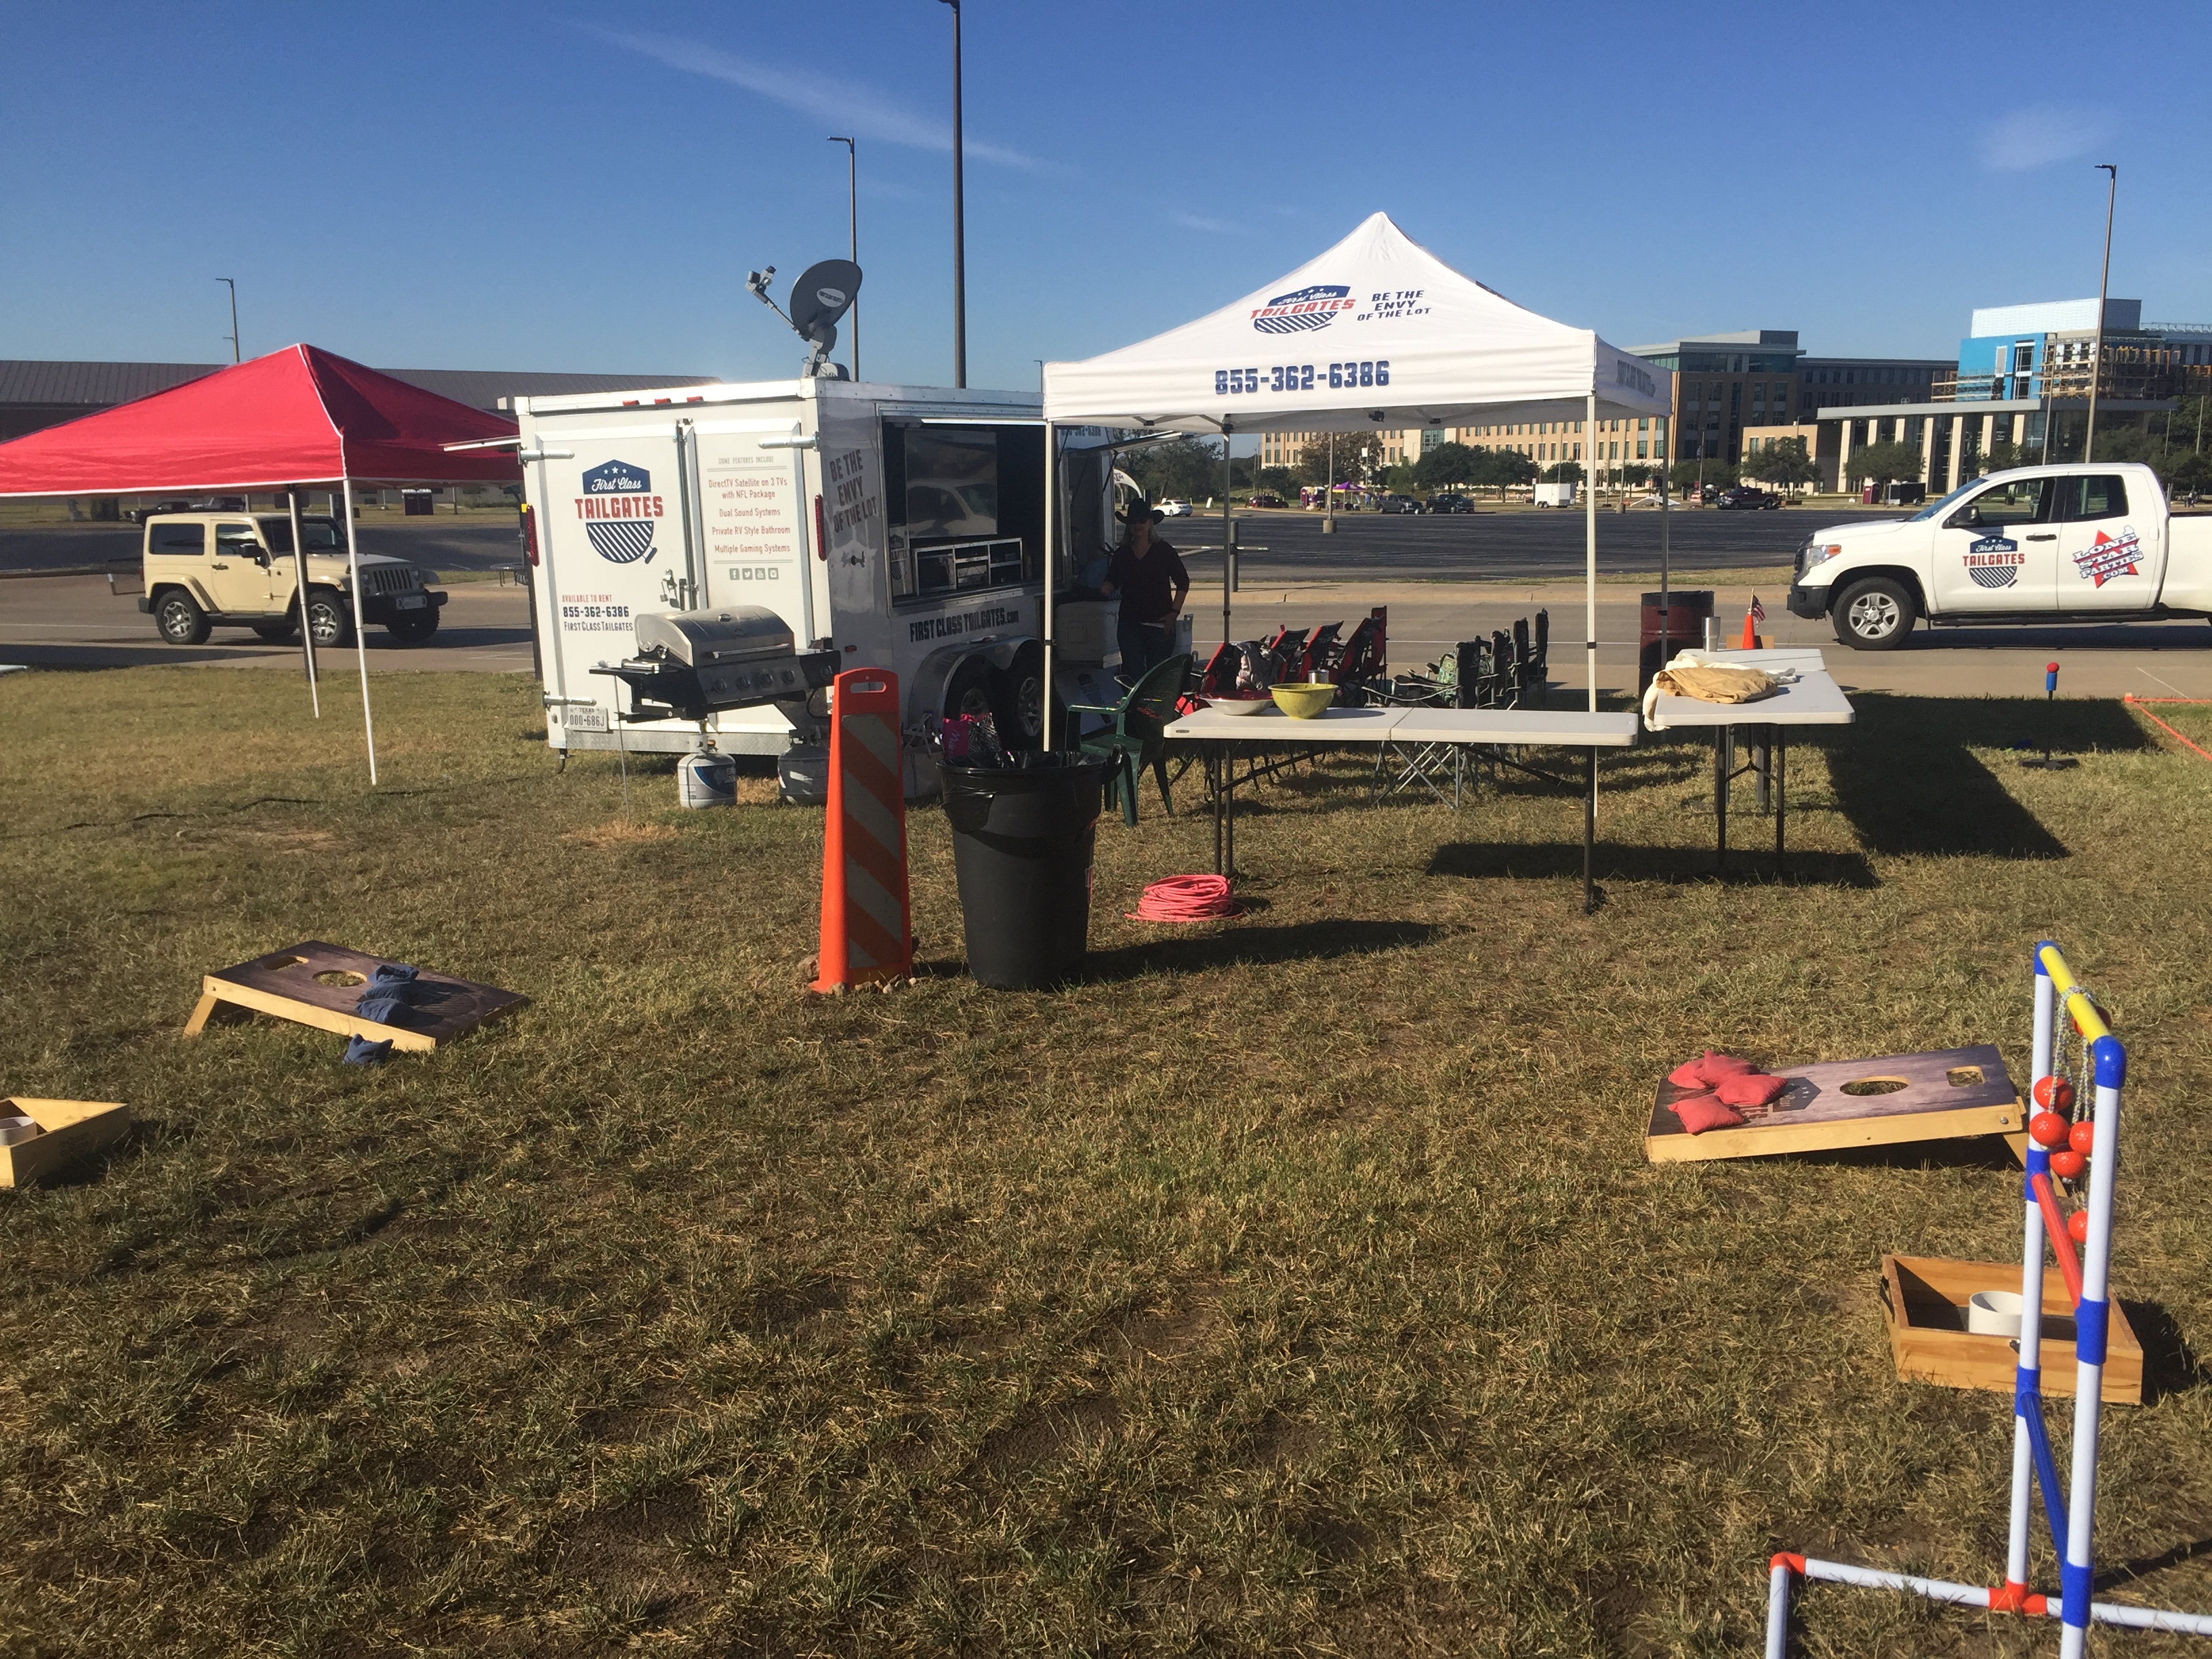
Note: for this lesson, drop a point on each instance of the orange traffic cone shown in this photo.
(867, 931)
(1751, 618)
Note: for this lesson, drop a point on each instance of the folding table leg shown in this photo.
(1229, 826)
(1720, 798)
(1215, 777)
(1777, 747)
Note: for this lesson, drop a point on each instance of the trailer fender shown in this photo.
(926, 696)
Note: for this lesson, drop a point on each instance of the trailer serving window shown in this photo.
(967, 508)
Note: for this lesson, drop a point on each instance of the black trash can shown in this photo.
(1688, 611)
(1022, 840)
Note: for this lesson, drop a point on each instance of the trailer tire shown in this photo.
(970, 690)
(1017, 701)
(1877, 614)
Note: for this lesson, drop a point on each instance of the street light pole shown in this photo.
(959, 220)
(852, 190)
(2097, 352)
(235, 355)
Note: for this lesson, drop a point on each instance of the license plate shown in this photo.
(586, 720)
(410, 602)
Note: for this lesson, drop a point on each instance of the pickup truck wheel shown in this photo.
(1875, 615)
(329, 621)
(181, 619)
(413, 630)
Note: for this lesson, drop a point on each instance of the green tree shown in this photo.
(1187, 469)
(1785, 463)
(1564, 472)
(1279, 480)
(1505, 469)
(1356, 454)
(1447, 465)
(1686, 475)
(1882, 462)
(2191, 475)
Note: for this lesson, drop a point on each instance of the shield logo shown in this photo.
(619, 510)
(1303, 310)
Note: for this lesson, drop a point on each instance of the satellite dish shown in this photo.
(822, 296)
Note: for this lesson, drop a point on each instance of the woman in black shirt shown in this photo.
(1147, 575)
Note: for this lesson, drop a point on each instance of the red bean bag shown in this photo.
(1708, 1069)
(1699, 1113)
(1748, 1089)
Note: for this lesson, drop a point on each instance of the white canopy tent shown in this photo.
(1377, 334)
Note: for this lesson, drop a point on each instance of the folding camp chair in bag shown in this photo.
(1138, 737)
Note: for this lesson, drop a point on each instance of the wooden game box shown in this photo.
(67, 1130)
(1925, 1304)
(1941, 1094)
(319, 984)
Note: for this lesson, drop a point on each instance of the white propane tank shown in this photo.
(706, 779)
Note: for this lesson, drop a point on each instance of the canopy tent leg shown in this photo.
(1051, 571)
(360, 633)
(1590, 550)
(1228, 539)
(300, 601)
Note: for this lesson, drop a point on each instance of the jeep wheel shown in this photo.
(329, 621)
(413, 630)
(276, 632)
(181, 620)
(1875, 615)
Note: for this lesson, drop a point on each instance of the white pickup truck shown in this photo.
(2081, 544)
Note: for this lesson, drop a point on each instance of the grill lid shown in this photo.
(702, 638)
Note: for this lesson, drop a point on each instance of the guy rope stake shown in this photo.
(2060, 1003)
(867, 932)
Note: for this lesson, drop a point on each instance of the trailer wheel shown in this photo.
(1018, 706)
(968, 691)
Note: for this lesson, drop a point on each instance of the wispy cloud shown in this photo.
(861, 111)
(1217, 227)
(2039, 135)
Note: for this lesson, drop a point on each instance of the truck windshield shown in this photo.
(1933, 509)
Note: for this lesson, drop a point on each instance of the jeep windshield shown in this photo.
(321, 535)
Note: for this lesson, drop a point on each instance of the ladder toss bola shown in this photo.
(2057, 1151)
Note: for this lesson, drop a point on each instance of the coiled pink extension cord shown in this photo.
(1187, 898)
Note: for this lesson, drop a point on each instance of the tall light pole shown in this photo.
(235, 355)
(852, 192)
(959, 220)
(2097, 352)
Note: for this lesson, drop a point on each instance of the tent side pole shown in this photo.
(300, 601)
(1051, 569)
(1590, 546)
(360, 634)
(1228, 540)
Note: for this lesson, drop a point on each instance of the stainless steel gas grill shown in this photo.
(690, 663)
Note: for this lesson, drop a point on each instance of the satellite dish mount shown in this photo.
(822, 296)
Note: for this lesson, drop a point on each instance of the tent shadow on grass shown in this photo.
(1303, 941)
(1907, 778)
(1751, 863)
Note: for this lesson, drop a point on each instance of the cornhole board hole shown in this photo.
(318, 984)
(1923, 1303)
(67, 1130)
(1941, 1094)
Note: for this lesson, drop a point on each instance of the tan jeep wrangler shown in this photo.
(206, 570)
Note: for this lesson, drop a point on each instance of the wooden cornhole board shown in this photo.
(67, 1130)
(1945, 1094)
(318, 984)
(1923, 1303)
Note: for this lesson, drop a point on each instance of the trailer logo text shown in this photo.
(618, 508)
(974, 621)
(1306, 309)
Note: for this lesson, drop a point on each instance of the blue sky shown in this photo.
(473, 185)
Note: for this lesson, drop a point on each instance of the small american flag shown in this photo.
(1758, 610)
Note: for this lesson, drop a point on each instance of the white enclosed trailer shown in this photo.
(901, 527)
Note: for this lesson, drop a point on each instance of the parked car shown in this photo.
(1744, 499)
(1451, 504)
(1175, 509)
(140, 514)
(1265, 500)
(1397, 504)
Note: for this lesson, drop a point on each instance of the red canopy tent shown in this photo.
(298, 417)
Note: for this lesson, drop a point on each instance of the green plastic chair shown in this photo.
(1138, 737)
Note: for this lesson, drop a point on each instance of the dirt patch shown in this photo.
(621, 832)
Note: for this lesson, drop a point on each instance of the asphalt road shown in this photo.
(471, 542)
(1517, 545)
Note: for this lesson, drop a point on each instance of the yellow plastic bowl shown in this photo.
(1303, 702)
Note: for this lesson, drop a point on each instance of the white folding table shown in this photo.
(1217, 733)
(1813, 699)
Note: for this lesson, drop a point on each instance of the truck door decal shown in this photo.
(2108, 556)
(1993, 562)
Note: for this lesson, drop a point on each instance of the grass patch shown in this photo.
(1294, 1285)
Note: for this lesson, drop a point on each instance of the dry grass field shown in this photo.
(1293, 1286)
